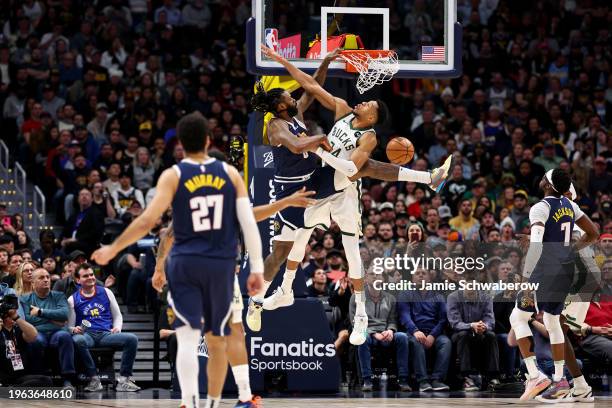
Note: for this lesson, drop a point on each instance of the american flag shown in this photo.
(433, 53)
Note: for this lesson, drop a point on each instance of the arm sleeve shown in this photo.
(116, 312)
(346, 167)
(535, 249)
(252, 241)
(71, 313)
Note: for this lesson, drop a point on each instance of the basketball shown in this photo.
(400, 150)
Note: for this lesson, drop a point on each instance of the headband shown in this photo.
(572, 190)
(548, 176)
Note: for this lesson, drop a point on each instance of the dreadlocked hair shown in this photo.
(264, 101)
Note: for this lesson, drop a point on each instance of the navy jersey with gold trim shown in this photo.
(204, 211)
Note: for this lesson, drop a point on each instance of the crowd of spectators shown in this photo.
(91, 92)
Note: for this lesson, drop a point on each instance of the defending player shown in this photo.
(552, 221)
(236, 348)
(352, 140)
(208, 200)
(294, 167)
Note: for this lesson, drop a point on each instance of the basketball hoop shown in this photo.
(374, 66)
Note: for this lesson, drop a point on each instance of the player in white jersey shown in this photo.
(352, 140)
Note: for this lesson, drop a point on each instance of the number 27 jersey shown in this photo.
(204, 210)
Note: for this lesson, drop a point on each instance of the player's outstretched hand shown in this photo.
(270, 53)
(301, 198)
(103, 255)
(255, 283)
(325, 145)
(332, 55)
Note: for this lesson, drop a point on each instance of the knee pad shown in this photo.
(519, 319)
(553, 325)
(353, 257)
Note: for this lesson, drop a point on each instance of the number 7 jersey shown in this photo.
(204, 210)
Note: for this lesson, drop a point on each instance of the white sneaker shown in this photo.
(359, 335)
(94, 385)
(579, 395)
(440, 175)
(278, 299)
(253, 318)
(126, 384)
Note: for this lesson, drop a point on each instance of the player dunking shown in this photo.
(208, 200)
(552, 221)
(236, 348)
(352, 140)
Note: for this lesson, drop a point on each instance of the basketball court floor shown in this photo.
(160, 398)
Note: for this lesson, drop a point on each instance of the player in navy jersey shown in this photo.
(209, 200)
(549, 263)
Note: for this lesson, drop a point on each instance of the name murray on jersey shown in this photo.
(204, 180)
(561, 212)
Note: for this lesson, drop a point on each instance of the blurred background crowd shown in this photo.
(91, 92)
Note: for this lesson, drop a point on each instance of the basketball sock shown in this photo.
(261, 295)
(558, 375)
(532, 367)
(213, 402)
(241, 376)
(187, 366)
(580, 383)
(423, 177)
(288, 280)
(360, 303)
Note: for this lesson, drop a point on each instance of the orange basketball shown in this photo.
(400, 150)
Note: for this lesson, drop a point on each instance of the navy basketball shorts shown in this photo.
(554, 283)
(289, 220)
(201, 288)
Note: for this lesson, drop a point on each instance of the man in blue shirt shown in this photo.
(47, 311)
(95, 320)
(423, 315)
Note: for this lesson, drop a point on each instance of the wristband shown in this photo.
(39, 314)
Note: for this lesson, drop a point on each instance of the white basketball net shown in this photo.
(372, 70)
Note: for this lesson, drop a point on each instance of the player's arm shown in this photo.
(310, 85)
(320, 75)
(244, 212)
(591, 232)
(280, 134)
(359, 157)
(297, 199)
(537, 216)
(166, 188)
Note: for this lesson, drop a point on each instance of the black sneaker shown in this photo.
(367, 385)
(404, 386)
(425, 386)
(439, 386)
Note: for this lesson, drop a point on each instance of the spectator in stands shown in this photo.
(422, 313)
(84, 229)
(125, 195)
(67, 284)
(47, 311)
(50, 266)
(336, 262)
(112, 183)
(382, 330)
(97, 305)
(102, 201)
(319, 287)
(144, 171)
(520, 210)
(7, 242)
(464, 222)
(470, 315)
(4, 263)
(23, 278)
(598, 328)
(16, 368)
(14, 261)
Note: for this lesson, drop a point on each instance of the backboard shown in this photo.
(424, 33)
